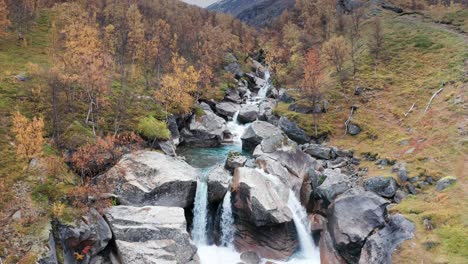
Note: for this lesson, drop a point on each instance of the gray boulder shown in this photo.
(335, 183)
(152, 178)
(265, 112)
(445, 182)
(227, 109)
(354, 129)
(352, 217)
(255, 83)
(300, 108)
(250, 257)
(256, 132)
(248, 113)
(259, 69)
(383, 186)
(233, 95)
(91, 231)
(318, 151)
(205, 131)
(380, 246)
(151, 234)
(263, 220)
(293, 131)
(283, 96)
(218, 183)
(260, 196)
(235, 160)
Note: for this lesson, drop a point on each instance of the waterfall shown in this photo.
(227, 222)
(200, 212)
(308, 250)
(236, 129)
(262, 93)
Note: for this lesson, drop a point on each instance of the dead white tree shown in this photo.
(434, 96)
(350, 118)
(410, 110)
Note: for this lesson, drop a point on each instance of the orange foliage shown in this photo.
(177, 87)
(87, 195)
(93, 158)
(29, 136)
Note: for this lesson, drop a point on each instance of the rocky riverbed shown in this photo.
(243, 185)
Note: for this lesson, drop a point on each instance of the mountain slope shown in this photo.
(255, 13)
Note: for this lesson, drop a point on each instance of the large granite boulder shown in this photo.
(335, 183)
(152, 178)
(351, 219)
(263, 220)
(265, 112)
(151, 234)
(383, 186)
(380, 246)
(282, 157)
(318, 151)
(218, 183)
(293, 131)
(248, 113)
(205, 131)
(262, 196)
(256, 132)
(227, 109)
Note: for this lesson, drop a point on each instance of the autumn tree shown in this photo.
(136, 34)
(312, 83)
(335, 51)
(29, 135)
(4, 21)
(376, 42)
(178, 86)
(87, 64)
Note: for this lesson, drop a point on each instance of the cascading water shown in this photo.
(236, 129)
(200, 212)
(308, 251)
(226, 253)
(262, 93)
(227, 222)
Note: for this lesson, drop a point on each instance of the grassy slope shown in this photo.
(419, 57)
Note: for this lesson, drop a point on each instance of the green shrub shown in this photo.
(151, 128)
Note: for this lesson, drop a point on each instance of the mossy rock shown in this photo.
(76, 135)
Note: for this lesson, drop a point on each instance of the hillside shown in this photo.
(157, 131)
(255, 13)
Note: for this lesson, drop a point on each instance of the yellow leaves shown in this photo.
(29, 136)
(335, 51)
(178, 86)
(58, 209)
(136, 34)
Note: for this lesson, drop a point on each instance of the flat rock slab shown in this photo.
(151, 234)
